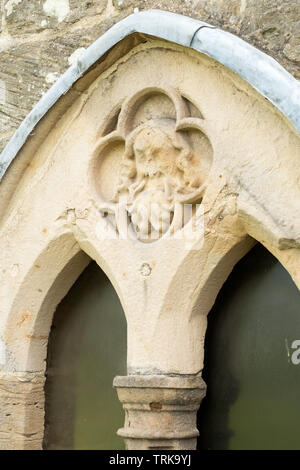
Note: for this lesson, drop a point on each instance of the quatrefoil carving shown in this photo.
(153, 156)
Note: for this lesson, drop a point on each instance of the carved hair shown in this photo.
(166, 136)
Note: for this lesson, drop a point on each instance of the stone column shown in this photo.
(21, 410)
(160, 411)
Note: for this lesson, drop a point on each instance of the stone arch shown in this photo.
(39, 292)
(234, 158)
(24, 337)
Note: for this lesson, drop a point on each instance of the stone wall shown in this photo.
(39, 39)
(21, 410)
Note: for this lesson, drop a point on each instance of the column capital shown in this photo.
(160, 410)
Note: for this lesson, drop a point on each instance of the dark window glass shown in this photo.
(87, 348)
(253, 385)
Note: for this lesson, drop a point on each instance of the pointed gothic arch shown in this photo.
(162, 109)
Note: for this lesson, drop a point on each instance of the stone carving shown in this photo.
(159, 167)
(50, 200)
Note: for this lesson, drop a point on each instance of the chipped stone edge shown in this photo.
(261, 71)
(9, 376)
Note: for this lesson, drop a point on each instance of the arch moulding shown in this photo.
(163, 155)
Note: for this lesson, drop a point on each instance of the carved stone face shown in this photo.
(159, 174)
(161, 158)
(154, 153)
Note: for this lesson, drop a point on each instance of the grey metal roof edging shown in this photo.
(264, 73)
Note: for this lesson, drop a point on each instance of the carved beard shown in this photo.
(151, 214)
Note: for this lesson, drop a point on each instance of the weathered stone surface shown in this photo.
(38, 37)
(21, 410)
(292, 49)
(237, 143)
(31, 16)
(160, 411)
